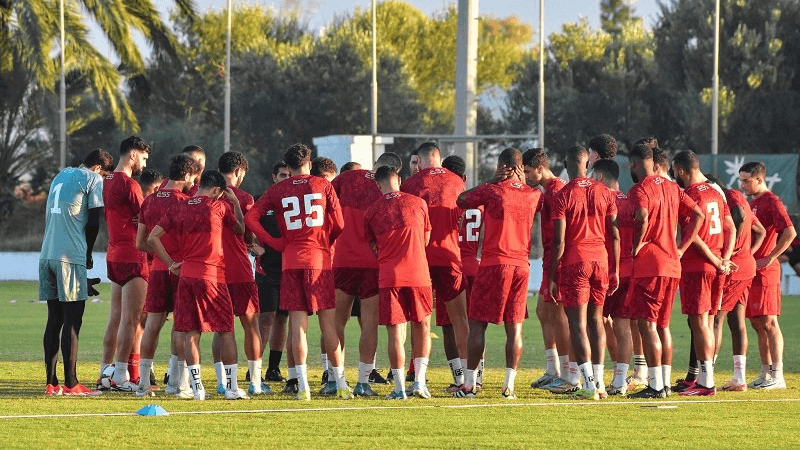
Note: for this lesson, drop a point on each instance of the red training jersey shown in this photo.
(663, 200)
(469, 233)
(440, 189)
(509, 208)
(584, 204)
(711, 230)
(238, 266)
(398, 223)
(154, 207)
(123, 199)
(771, 212)
(192, 190)
(309, 217)
(742, 256)
(625, 214)
(357, 191)
(551, 189)
(198, 224)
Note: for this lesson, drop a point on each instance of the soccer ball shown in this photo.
(105, 378)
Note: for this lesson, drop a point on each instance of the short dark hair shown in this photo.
(350, 165)
(230, 161)
(212, 179)
(193, 149)
(150, 176)
(385, 173)
(575, 151)
(133, 143)
(605, 145)
(297, 156)
(607, 167)
(713, 179)
(99, 158)
(756, 169)
(641, 151)
(389, 159)
(181, 165)
(426, 149)
(455, 164)
(536, 157)
(659, 156)
(276, 168)
(650, 141)
(510, 157)
(687, 160)
(322, 165)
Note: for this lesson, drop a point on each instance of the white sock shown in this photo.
(765, 371)
(399, 375)
(479, 372)
(231, 380)
(185, 376)
(776, 371)
(469, 379)
(323, 359)
(564, 362)
(302, 377)
(121, 372)
(292, 373)
(739, 365)
(511, 375)
(655, 378)
(706, 376)
(588, 375)
(420, 369)
(550, 357)
(175, 370)
(254, 367)
(364, 369)
(173, 359)
(666, 374)
(219, 370)
(338, 376)
(715, 357)
(573, 377)
(456, 370)
(145, 366)
(639, 366)
(620, 373)
(194, 378)
(598, 375)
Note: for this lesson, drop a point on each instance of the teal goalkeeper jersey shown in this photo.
(73, 192)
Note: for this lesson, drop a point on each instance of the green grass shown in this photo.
(536, 420)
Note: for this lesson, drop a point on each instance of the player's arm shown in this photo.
(758, 233)
(237, 211)
(729, 234)
(715, 260)
(253, 222)
(90, 232)
(336, 217)
(141, 238)
(559, 232)
(694, 228)
(154, 241)
(784, 240)
(612, 233)
(639, 225)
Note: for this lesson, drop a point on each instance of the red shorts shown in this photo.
(618, 304)
(500, 294)
(244, 297)
(580, 283)
(700, 292)
(398, 305)
(203, 305)
(308, 290)
(122, 272)
(763, 300)
(356, 281)
(448, 282)
(734, 293)
(544, 288)
(161, 290)
(652, 299)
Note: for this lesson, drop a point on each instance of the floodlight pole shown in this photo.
(374, 81)
(715, 84)
(227, 144)
(62, 109)
(541, 74)
(466, 84)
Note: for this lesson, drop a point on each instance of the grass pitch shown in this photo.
(536, 419)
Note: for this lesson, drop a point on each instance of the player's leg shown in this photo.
(73, 319)
(719, 321)
(367, 345)
(639, 376)
(453, 357)
(327, 325)
(665, 337)
(253, 351)
(396, 350)
(476, 344)
(704, 349)
(651, 344)
(457, 311)
(611, 339)
(738, 327)
(51, 342)
(133, 295)
(622, 334)
(298, 327)
(693, 369)
(597, 343)
(265, 321)
(344, 305)
(775, 337)
(513, 355)
(112, 328)
(421, 350)
(230, 359)
(191, 351)
(219, 366)
(544, 312)
(152, 329)
(291, 386)
(577, 319)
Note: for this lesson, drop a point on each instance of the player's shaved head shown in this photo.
(576, 161)
(193, 149)
(390, 159)
(455, 164)
(230, 161)
(608, 167)
(536, 157)
(510, 157)
(213, 179)
(686, 160)
(182, 165)
(387, 178)
(427, 150)
(297, 156)
(99, 158)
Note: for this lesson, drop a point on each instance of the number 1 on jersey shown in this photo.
(315, 215)
(56, 193)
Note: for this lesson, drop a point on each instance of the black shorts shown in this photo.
(269, 292)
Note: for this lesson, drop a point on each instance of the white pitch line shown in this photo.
(365, 408)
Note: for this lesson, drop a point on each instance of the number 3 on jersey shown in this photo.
(715, 227)
(315, 215)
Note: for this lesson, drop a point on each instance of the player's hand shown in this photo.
(256, 250)
(135, 219)
(519, 173)
(553, 290)
(89, 261)
(502, 173)
(722, 268)
(763, 262)
(613, 283)
(680, 253)
(228, 192)
(175, 268)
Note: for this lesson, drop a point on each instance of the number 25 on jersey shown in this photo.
(315, 215)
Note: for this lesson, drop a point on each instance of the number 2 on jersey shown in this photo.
(315, 215)
(715, 227)
(473, 219)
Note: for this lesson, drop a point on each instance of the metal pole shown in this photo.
(62, 112)
(374, 81)
(466, 83)
(227, 145)
(541, 73)
(715, 82)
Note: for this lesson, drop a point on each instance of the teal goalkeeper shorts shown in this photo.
(62, 280)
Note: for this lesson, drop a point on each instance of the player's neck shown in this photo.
(232, 180)
(696, 178)
(178, 185)
(124, 167)
(763, 190)
(300, 171)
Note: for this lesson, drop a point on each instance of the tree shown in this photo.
(615, 14)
